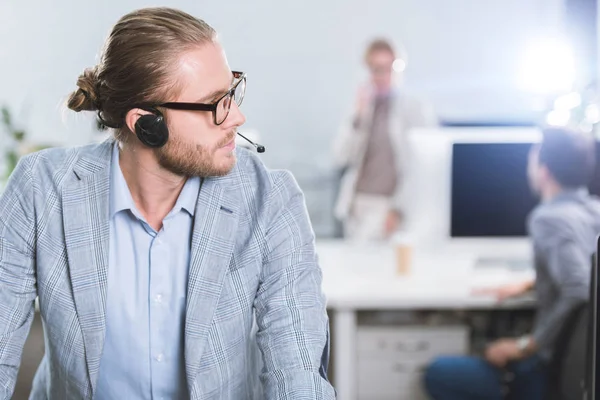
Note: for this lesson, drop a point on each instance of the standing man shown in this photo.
(372, 148)
(153, 254)
(563, 230)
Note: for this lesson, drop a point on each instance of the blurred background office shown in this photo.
(488, 73)
(476, 62)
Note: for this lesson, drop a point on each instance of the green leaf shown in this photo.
(6, 119)
(11, 162)
(19, 135)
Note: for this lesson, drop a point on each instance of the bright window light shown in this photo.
(568, 101)
(547, 67)
(558, 117)
(399, 65)
(592, 113)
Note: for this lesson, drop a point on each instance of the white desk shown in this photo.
(364, 278)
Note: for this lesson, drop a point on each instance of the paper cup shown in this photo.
(404, 248)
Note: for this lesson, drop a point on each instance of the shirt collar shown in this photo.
(120, 196)
(189, 196)
(570, 195)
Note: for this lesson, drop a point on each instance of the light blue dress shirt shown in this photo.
(143, 355)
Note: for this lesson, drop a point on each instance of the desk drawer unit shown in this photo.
(391, 360)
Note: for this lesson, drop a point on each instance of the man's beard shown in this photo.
(189, 160)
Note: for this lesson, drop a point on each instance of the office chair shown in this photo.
(566, 371)
(590, 381)
(567, 368)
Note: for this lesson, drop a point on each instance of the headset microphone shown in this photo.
(259, 147)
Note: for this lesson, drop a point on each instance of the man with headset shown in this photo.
(157, 255)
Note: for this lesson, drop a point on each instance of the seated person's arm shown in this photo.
(507, 291)
(293, 328)
(568, 266)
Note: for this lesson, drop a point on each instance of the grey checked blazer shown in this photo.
(252, 260)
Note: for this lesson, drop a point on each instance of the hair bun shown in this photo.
(86, 97)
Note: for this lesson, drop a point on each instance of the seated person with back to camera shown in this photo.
(563, 230)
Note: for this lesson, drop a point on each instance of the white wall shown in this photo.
(303, 60)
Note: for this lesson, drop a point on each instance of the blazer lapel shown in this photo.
(213, 239)
(86, 224)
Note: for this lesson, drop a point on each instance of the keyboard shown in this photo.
(515, 263)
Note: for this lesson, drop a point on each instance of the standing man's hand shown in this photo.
(364, 97)
(392, 222)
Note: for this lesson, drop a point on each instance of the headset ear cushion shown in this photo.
(152, 130)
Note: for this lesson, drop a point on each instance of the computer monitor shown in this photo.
(467, 188)
(490, 193)
(444, 173)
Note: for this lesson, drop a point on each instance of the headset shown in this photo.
(151, 129)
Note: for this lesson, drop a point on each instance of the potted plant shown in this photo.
(15, 137)
(14, 144)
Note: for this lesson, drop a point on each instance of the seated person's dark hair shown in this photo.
(569, 155)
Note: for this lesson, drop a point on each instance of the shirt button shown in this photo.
(158, 298)
(160, 357)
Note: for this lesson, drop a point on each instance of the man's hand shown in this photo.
(503, 351)
(392, 222)
(506, 291)
(364, 97)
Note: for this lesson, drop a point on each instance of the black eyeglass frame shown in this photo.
(240, 76)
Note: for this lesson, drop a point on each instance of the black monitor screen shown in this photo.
(490, 190)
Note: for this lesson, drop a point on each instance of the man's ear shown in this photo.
(544, 173)
(132, 116)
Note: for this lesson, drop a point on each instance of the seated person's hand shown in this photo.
(506, 291)
(502, 351)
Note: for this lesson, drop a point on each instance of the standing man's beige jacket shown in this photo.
(350, 146)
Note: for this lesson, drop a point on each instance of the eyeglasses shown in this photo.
(380, 69)
(222, 106)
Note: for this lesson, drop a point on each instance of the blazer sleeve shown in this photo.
(417, 113)
(17, 272)
(347, 143)
(293, 328)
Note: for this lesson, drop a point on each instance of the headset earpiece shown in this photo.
(152, 130)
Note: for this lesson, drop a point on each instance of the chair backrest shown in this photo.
(591, 369)
(568, 366)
